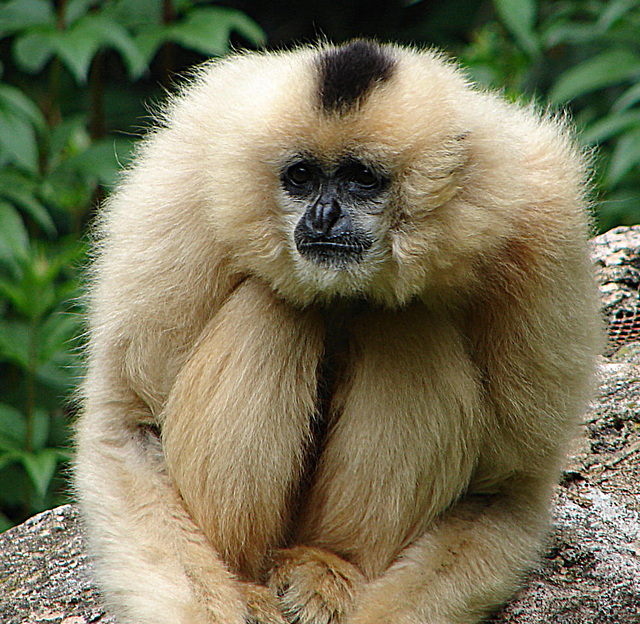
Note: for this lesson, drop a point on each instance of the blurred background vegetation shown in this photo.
(76, 79)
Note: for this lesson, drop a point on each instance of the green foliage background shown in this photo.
(76, 75)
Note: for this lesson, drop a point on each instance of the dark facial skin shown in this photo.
(328, 232)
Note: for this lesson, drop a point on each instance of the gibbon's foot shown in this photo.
(313, 585)
(262, 606)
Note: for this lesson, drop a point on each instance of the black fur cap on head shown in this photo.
(348, 73)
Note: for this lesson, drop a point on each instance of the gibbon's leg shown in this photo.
(237, 424)
(401, 447)
(468, 563)
(155, 565)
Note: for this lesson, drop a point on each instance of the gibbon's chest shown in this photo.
(331, 370)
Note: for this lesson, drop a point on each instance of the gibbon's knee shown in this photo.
(351, 293)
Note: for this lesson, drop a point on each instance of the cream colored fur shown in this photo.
(466, 370)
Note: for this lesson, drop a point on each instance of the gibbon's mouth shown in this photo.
(336, 251)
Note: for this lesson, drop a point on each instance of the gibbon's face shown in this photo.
(334, 203)
(354, 159)
(337, 221)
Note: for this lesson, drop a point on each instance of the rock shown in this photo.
(617, 258)
(45, 573)
(589, 574)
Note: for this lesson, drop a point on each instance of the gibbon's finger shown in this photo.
(262, 606)
(313, 585)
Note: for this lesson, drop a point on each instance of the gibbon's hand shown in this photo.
(313, 585)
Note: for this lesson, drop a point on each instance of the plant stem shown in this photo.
(30, 373)
(97, 125)
(167, 56)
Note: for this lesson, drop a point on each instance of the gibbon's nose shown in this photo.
(322, 216)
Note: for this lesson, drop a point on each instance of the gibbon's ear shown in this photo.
(435, 176)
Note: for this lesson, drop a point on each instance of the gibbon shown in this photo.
(342, 322)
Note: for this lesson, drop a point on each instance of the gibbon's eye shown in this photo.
(364, 177)
(299, 174)
(361, 179)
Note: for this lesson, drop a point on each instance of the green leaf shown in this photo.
(149, 39)
(38, 288)
(5, 523)
(519, 16)
(14, 343)
(103, 160)
(18, 140)
(13, 427)
(619, 207)
(64, 455)
(134, 15)
(628, 99)
(17, 15)
(8, 457)
(14, 240)
(567, 32)
(206, 30)
(33, 293)
(612, 11)
(68, 138)
(40, 428)
(62, 379)
(40, 467)
(11, 291)
(33, 50)
(115, 35)
(75, 9)
(59, 431)
(21, 191)
(68, 252)
(79, 44)
(610, 126)
(14, 99)
(76, 49)
(625, 156)
(56, 335)
(606, 69)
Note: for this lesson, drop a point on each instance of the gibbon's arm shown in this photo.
(530, 348)
(475, 409)
(405, 442)
(405, 426)
(237, 423)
